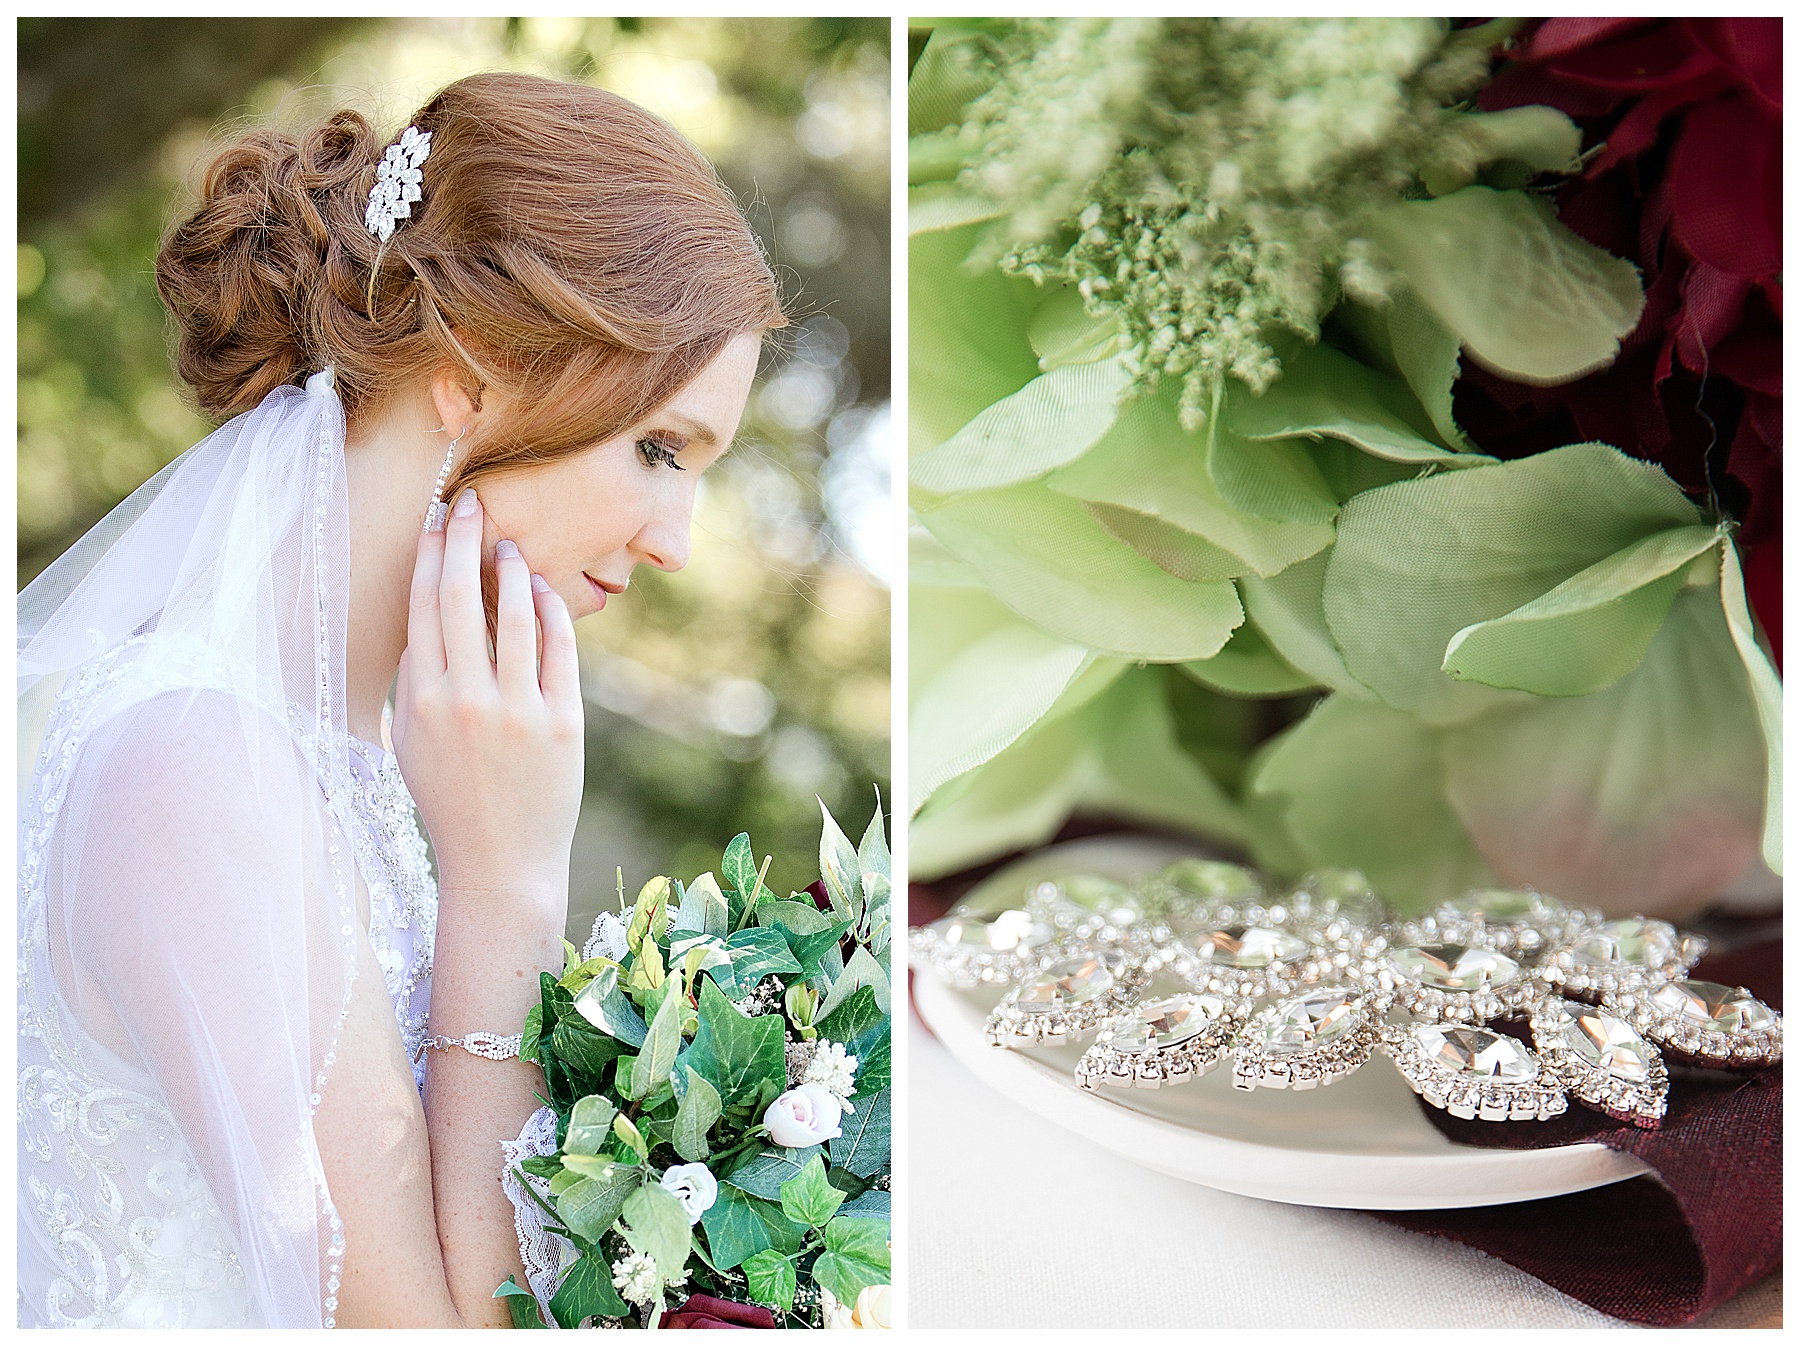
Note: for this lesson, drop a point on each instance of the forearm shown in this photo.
(485, 977)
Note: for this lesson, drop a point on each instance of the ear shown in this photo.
(458, 410)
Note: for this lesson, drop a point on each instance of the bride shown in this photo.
(262, 1071)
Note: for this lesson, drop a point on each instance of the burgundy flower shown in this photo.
(816, 891)
(1685, 116)
(709, 1312)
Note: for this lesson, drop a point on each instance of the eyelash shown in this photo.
(655, 452)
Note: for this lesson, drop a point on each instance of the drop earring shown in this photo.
(437, 510)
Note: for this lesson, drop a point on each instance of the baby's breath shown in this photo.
(1206, 180)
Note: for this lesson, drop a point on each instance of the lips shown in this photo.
(601, 590)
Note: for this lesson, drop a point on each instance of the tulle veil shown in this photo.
(188, 899)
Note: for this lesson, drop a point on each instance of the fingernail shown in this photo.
(505, 551)
(539, 585)
(466, 503)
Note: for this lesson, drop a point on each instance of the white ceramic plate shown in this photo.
(1363, 1143)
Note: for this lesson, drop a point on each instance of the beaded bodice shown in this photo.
(117, 1227)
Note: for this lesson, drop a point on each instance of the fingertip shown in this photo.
(539, 585)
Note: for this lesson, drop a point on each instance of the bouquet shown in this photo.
(1300, 459)
(718, 1062)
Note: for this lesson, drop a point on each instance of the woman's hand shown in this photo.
(491, 748)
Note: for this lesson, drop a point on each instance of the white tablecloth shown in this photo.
(1013, 1222)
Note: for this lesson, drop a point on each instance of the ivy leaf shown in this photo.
(654, 1062)
(590, 1123)
(739, 1226)
(587, 1292)
(861, 972)
(856, 1256)
(855, 1013)
(1529, 298)
(602, 1004)
(873, 1204)
(796, 918)
(521, 1303)
(763, 1175)
(528, 1037)
(838, 868)
(866, 1145)
(590, 1204)
(582, 1053)
(872, 852)
(757, 952)
(807, 1198)
(771, 1279)
(1050, 561)
(1051, 421)
(739, 868)
(656, 1223)
(735, 1054)
(700, 1108)
(874, 1052)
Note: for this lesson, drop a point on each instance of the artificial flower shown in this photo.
(694, 1186)
(708, 1311)
(805, 1115)
(874, 1307)
(835, 1313)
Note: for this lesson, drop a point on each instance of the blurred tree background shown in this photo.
(720, 699)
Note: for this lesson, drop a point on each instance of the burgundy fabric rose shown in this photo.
(710, 1312)
(816, 891)
(1683, 117)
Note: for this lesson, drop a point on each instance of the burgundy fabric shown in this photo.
(1655, 1250)
(706, 1311)
(1659, 1251)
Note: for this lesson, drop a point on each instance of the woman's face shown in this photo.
(587, 520)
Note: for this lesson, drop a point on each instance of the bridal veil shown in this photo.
(188, 898)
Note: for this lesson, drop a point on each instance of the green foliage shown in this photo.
(1517, 655)
(863, 1147)
(807, 1198)
(855, 1257)
(740, 1057)
(521, 1303)
(739, 1226)
(771, 1279)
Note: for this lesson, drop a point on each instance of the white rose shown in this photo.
(694, 1186)
(873, 1307)
(804, 1116)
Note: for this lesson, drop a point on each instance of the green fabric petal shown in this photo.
(1048, 560)
(1765, 686)
(1249, 666)
(1289, 612)
(1528, 297)
(1149, 464)
(1364, 786)
(967, 347)
(1647, 796)
(1587, 632)
(1418, 561)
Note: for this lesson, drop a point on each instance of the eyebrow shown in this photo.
(696, 430)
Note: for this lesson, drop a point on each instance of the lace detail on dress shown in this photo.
(391, 854)
(546, 1256)
(110, 1195)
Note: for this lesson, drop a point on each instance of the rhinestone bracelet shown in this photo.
(1302, 988)
(490, 1045)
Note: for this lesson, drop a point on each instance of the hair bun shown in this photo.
(245, 274)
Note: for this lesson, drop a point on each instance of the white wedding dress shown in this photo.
(207, 861)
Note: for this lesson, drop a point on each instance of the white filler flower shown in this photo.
(834, 1068)
(635, 1278)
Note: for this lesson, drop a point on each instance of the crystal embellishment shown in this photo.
(1606, 1043)
(1162, 1023)
(1715, 1008)
(1453, 967)
(1005, 932)
(1477, 1052)
(1065, 985)
(1308, 1021)
(398, 182)
(1639, 942)
(1252, 946)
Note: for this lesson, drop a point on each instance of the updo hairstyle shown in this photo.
(572, 252)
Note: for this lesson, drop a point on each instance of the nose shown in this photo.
(665, 541)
